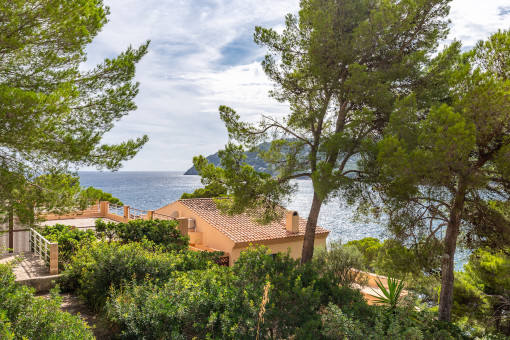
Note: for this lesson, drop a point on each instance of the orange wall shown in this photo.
(295, 246)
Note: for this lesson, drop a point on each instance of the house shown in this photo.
(208, 227)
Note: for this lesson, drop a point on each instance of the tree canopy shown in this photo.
(53, 111)
(340, 65)
(449, 166)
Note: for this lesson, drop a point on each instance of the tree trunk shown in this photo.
(450, 244)
(311, 224)
(11, 231)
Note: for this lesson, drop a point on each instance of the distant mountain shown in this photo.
(251, 158)
(256, 162)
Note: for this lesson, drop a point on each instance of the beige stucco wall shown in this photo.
(295, 246)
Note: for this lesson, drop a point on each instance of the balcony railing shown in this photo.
(135, 214)
(47, 250)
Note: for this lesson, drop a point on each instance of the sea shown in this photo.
(150, 190)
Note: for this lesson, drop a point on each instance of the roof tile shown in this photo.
(242, 228)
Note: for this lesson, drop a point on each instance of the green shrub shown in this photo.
(161, 232)
(197, 304)
(339, 262)
(94, 194)
(23, 316)
(401, 324)
(94, 269)
(264, 296)
(224, 302)
(69, 240)
(370, 248)
(294, 297)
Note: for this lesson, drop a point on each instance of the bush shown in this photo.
(401, 324)
(23, 316)
(94, 269)
(225, 302)
(69, 240)
(294, 297)
(94, 194)
(161, 232)
(338, 262)
(201, 305)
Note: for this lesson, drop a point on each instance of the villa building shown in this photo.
(208, 228)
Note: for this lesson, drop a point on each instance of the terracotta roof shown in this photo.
(242, 228)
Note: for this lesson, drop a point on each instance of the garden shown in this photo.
(143, 285)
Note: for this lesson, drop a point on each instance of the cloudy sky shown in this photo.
(202, 55)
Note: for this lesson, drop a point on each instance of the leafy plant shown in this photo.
(211, 190)
(69, 240)
(160, 232)
(94, 269)
(390, 297)
(95, 194)
(342, 262)
(24, 316)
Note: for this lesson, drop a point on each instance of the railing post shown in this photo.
(150, 214)
(103, 208)
(126, 211)
(53, 258)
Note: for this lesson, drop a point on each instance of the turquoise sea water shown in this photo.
(152, 190)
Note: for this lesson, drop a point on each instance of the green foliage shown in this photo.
(343, 262)
(162, 233)
(25, 196)
(443, 166)
(419, 265)
(211, 190)
(224, 302)
(69, 240)
(401, 325)
(390, 297)
(294, 294)
(341, 66)
(58, 108)
(481, 293)
(94, 194)
(369, 247)
(94, 269)
(194, 304)
(24, 316)
(150, 294)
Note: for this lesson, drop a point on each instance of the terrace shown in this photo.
(37, 257)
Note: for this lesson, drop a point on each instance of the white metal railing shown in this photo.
(162, 217)
(116, 209)
(136, 213)
(39, 245)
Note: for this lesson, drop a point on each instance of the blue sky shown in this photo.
(202, 55)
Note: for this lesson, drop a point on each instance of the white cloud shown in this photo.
(474, 20)
(202, 55)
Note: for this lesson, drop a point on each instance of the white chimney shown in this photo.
(292, 224)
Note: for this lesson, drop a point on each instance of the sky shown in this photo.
(202, 55)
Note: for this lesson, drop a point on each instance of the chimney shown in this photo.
(292, 224)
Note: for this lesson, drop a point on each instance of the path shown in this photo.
(30, 267)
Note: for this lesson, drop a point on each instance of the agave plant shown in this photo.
(390, 297)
